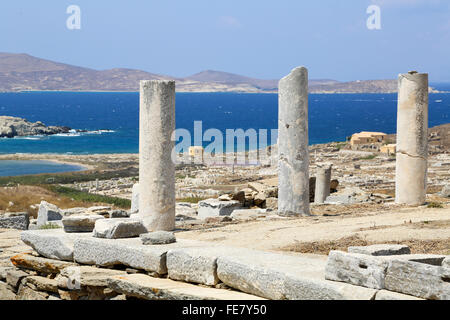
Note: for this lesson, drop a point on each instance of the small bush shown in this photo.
(435, 205)
(49, 225)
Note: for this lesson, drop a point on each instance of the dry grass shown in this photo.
(441, 246)
(23, 197)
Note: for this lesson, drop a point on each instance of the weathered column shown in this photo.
(156, 169)
(323, 181)
(412, 139)
(293, 154)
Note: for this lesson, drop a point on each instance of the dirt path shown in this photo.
(399, 225)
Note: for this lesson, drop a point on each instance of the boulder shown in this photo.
(119, 228)
(19, 221)
(446, 262)
(43, 284)
(114, 214)
(260, 200)
(85, 223)
(248, 214)
(158, 238)
(239, 196)
(13, 126)
(6, 293)
(216, 208)
(48, 212)
(381, 249)
(14, 277)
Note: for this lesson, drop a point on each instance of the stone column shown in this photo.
(323, 181)
(412, 139)
(156, 168)
(293, 154)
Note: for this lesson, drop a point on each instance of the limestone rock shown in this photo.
(26, 293)
(48, 212)
(158, 237)
(43, 265)
(418, 279)
(19, 221)
(43, 284)
(445, 192)
(216, 208)
(91, 276)
(118, 228)
(248, 214)
(115, 214)
(85, 223)
(381, 249)
(6, 293)
(14, 277)
(446, 262)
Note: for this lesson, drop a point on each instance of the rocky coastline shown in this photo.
(11, 127)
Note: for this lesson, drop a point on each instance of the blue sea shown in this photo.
(112, 119)
(25, 167)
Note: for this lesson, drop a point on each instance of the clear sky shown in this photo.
(258, 38)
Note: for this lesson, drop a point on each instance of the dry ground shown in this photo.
(425, 230)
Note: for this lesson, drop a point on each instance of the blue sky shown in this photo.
(257, 38)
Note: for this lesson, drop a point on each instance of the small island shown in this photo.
(11, 127)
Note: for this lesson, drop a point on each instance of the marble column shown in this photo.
(412, 139)
(293, 153)
(156, 168)
(323, 181)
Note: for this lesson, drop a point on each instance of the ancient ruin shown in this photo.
(412, 139)
(323, 182)
(156, 168)
(293, 161)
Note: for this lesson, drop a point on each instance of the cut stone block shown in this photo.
(91, 276)
(129, 252)
(26, 293)
(418, 279)
(358, 269)
(43, 284)
(77, 223)
(389, 295)
(381, 249)
(216, 208)
(19, 221)
(248, 214)
(145, 287)
(48, 212)
(115, 214)
(198, 265)
(52, 243)
(431, 259)
(284, 277)
(27, 261)
(158, 237)
(118, 228)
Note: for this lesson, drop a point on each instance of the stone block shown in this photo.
(381, 249)
(158, 238)
(145, 287)
(52, 243)
(19, 221)
(128, 252)
(358, 269)
(119, 228)
(48, 212)
(114, 214)
(80, 223)
(216, 208)
(26, 293)
(446, 262)
(6, 293)
(43, 284)
(418, 279)
(248, 214)
(284, 277)
(91, 276)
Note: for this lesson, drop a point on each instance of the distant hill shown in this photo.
(22, 72)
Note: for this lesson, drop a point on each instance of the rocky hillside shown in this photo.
(11, 127)
(22, 72)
